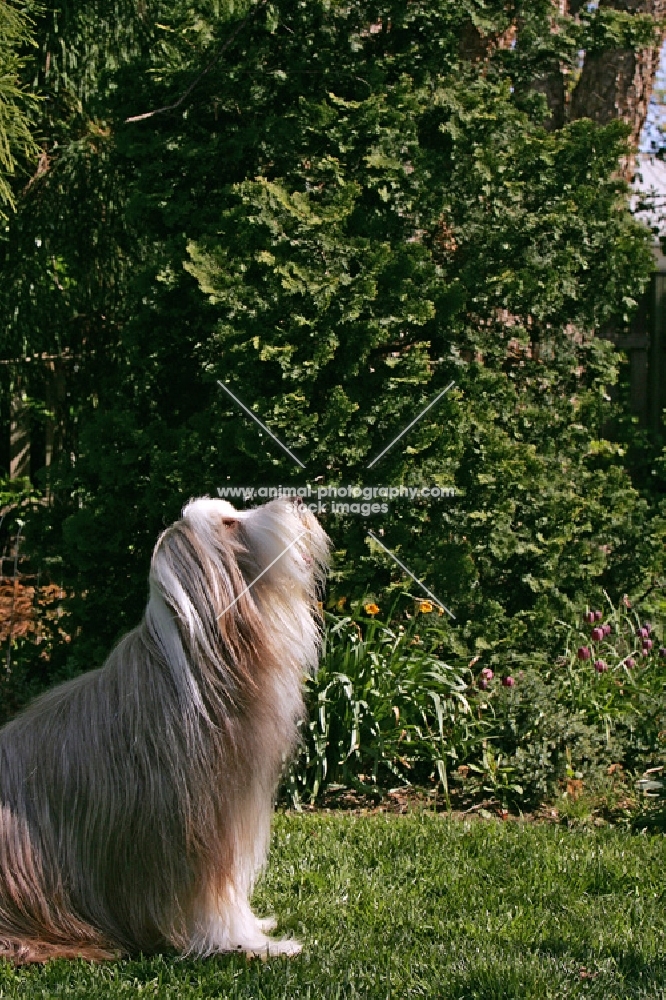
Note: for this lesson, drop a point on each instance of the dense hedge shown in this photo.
(348, 215)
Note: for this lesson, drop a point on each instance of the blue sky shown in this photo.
(652, 138)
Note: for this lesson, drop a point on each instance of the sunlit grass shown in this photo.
(420, 906)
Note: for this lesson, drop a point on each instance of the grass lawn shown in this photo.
(421, 906)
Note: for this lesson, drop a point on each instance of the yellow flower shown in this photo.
(425, 607)
(371, 609)
(341, 603)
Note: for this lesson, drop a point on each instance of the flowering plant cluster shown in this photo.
(398, 700)
(621, 642)
(613, 670)
(385, 708)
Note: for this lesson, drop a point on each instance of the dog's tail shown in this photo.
(22, 952)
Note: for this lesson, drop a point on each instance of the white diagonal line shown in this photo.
(277, 558)
(409, 426)
(414, 578)
(258, 421)
(172, 107)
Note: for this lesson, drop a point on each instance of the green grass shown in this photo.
(421, 906)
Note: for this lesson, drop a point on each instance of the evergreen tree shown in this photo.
(354, 207)
(17, 105)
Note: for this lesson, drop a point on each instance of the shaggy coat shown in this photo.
(135, 800)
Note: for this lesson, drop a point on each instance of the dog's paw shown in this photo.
(287, 948)
(267, 924)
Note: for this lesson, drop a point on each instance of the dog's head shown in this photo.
(279, 548)
(236, 581)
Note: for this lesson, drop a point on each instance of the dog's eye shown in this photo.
(228, 524)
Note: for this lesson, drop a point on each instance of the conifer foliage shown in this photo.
(356, 205)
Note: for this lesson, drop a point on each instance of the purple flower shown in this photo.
(643, 632)
(584, 653)
(647, 627)
(600, 666)
(483, 683)
(508, 682)
(630, 662)
(607, 629)
(662, 651)
(487, 674)
(590, 617)
(647, 644)
(597, 634)
(598, 615)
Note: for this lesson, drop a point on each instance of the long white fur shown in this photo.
(135, 801)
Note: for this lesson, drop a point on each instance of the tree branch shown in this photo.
(171, 107)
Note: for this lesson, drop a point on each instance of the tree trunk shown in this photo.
(619, 83)
(19, 463)
(614, 84)
(551, 82)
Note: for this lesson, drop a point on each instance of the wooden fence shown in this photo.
(645, 346)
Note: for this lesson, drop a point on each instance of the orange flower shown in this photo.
(371, 609)
(425, 607)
